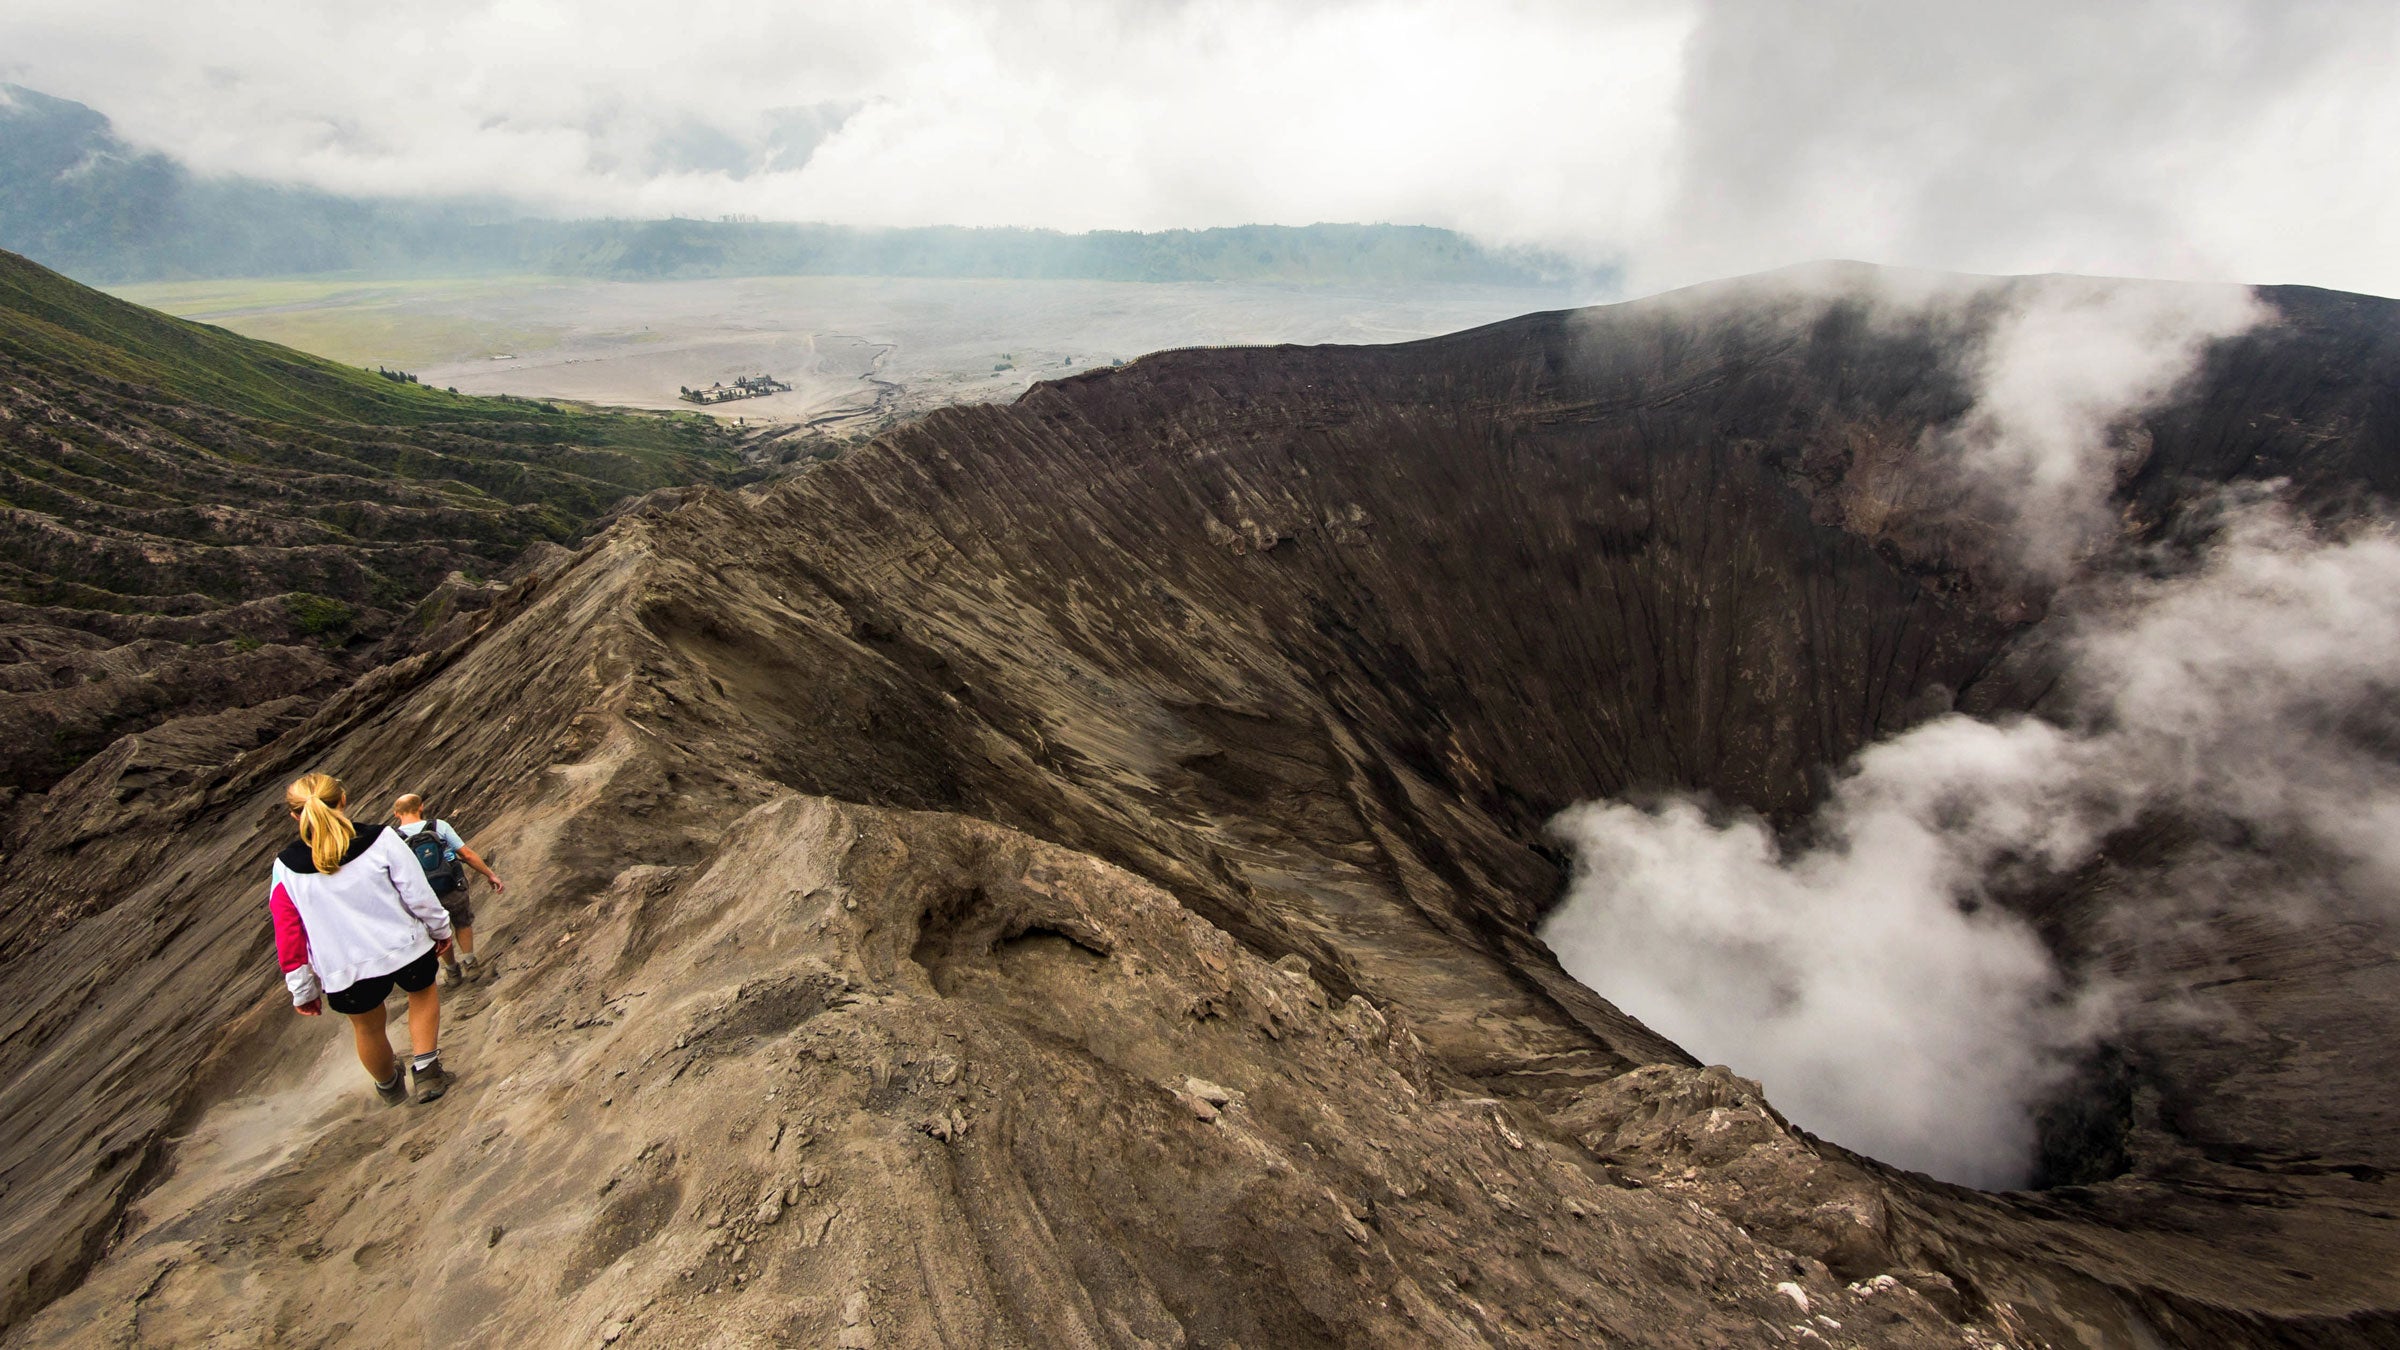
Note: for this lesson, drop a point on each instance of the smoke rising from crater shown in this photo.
(2055, 378)
(1869, 971)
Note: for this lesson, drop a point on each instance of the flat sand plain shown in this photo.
(856, 350)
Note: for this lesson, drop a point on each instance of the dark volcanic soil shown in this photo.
(891, 848)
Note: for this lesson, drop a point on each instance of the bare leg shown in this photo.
(466, 940)
(424, 1020)
(374, 1046)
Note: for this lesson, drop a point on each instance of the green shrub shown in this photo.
(318, 613)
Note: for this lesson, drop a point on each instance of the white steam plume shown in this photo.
(1848, 978)
(2055, 377)
(1867, 977)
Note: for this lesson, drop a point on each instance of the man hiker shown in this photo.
(439, 850)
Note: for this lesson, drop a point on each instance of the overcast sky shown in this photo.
(2198, 138)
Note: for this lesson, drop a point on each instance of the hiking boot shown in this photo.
(395, 1091)
(432, 1081)
(451, 967)
(470, 969)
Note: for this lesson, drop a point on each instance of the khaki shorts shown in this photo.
(459, 906)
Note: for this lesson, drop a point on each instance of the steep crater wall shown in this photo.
(1310, 641)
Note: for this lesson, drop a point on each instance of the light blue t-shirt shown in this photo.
(451, 843)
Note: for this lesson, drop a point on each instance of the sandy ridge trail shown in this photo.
(1065, 874)
(817, 1073)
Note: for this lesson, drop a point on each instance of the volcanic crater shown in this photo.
(1068, 873)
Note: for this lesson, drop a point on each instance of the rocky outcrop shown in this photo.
(1066, 873)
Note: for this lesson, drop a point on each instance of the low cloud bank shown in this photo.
(1678, 139)
(1869, 974)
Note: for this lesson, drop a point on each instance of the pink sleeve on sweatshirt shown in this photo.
(291, 949)
(291, 936)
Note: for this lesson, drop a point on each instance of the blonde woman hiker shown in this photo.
(440, 852)
(354, 917)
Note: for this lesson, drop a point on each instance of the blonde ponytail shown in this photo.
(317, 799)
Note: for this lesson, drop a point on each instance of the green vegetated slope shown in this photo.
(122, 407)
(174, 497)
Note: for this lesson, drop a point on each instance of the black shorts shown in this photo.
(368, 994)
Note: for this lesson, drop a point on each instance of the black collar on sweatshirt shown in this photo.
(297, 858)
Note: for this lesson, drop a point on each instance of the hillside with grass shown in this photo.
(193, 521)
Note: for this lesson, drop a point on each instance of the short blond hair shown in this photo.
(408, 804)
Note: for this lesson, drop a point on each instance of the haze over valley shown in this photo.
(858, 351)
(867, 324)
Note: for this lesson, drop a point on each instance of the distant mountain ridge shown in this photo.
(76, 197)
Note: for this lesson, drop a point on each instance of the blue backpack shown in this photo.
(442, 871)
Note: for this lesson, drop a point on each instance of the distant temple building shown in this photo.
(746, 386)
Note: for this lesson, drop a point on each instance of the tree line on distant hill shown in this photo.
(75, 197)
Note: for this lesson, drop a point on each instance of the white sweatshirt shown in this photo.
(373, 916)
